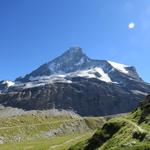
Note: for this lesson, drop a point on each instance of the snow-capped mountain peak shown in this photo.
(74, 60)
(70, 61)
(74, 50)
(73, 80)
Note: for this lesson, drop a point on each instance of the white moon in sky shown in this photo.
(131, 25)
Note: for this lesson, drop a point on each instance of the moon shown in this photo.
(131, 25)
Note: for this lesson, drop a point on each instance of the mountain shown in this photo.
(5, 84)
(76, 82)
(127, 132)
(75, 60)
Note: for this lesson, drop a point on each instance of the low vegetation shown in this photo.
(128, 132)
(42, 131)
(71, 132)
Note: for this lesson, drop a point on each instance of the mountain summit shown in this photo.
(75, 81)
(69, 61)
(75, 60)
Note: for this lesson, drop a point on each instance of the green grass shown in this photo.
(28, 131)
(121, 133)
(29, 120)
(29, 126)
(92, 122)
(48, 144)
(128, 132)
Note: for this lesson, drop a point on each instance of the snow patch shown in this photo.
(120, 67)
(9, 83)
(32, 84)
(104, 76)
(42, 81)
(96, 72)
(139, 92)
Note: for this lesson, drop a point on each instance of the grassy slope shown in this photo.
(56, 143)
(129, 132)
(29, 131)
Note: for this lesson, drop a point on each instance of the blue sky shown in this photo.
(33, 32)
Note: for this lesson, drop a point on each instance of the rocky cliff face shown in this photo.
(74, 81)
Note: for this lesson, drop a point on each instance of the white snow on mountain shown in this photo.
(119, 67)
(139, 92)
(38, 81)
(96, 72)
(42, 81)
(45, 78)
(60, 76)
(30, 85)
(9, 83)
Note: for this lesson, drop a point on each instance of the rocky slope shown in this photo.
(77, 82)
(19, 126)
(129, 132)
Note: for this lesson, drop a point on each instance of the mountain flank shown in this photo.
(74, 81)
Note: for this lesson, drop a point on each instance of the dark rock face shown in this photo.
(2, 86)
(87, 95)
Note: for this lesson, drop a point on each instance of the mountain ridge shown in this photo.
(75, 81)
(73, 60)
